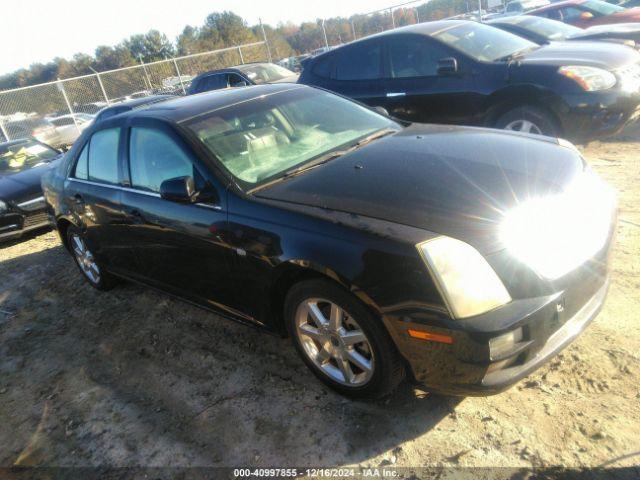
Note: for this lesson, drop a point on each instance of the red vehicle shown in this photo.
(586, 13)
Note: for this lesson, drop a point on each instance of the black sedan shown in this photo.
(542, 30)
(462, 257)
(241, 76)
(468, 73)
(22, 164)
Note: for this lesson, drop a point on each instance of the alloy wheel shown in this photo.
(524, 126)
(334, 342)
(85, 259)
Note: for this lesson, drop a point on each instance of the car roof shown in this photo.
(553, 6)
(426, 28)
(514, 20)
(229, 69)
(136, 102)
(180, 109)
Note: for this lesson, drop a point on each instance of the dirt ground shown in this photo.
(134, 378)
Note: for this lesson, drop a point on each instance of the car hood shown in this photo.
(448, 180)
(25, 185)
(629, 31)
(596, 54)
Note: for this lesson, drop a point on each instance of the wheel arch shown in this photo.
(62, 225)
(514, 96)
(294, 271)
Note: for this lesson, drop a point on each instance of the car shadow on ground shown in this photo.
(25, 237)
(131, 377)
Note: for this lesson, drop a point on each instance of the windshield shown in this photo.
(602, 8)
(265, 73)
(482, 42)
(22, 155)
(262, 139)
(549, 29)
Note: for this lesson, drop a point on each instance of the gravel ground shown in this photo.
(134, 378)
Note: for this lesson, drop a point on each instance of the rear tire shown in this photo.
(91, 270)
(528, 119)
(348, 349)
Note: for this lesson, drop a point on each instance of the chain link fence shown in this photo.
(55, 112)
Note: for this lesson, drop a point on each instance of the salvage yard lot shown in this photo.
(132, 377)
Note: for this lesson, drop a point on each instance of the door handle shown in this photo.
(396, 94)
(77, 198)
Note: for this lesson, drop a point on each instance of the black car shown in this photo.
(463, 72)
(241, 76)
(463, 257)
(542, 30)
(127, 105)
(22, 207)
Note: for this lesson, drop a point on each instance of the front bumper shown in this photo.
(478, 361)
(592, 115)
(14, 224)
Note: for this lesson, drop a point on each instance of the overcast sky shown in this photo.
(39, 30)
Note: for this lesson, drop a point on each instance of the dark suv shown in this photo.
(469, 73)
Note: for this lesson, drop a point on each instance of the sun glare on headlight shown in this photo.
(557, 233)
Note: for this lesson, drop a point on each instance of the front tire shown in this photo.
(341, 342)
(91, 270)
(526, 119)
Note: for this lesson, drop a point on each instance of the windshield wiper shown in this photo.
(374, 136)
(326, 158)
(515, 55)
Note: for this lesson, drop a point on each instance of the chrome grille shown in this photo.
(35, 219)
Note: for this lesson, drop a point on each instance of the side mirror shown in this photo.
(447, 66)
(586, 16)
(179, 189)
(381, 110)
(241, 83)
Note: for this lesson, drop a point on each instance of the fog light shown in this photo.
(503, 344)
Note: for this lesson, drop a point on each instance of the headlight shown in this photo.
(467, 283)
(3, 207)
(591, 79)
(556, 233)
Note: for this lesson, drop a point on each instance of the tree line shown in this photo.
(225, 29)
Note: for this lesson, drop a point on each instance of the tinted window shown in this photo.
(212, 82)
(359, 62)
(82, 165)
(103, 156)
(155, 157)
(235, 80)
(514, 7)
(569, 13)
(414, 57)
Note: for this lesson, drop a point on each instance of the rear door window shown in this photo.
(82, 165)
(358, 62)
(103, 156)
